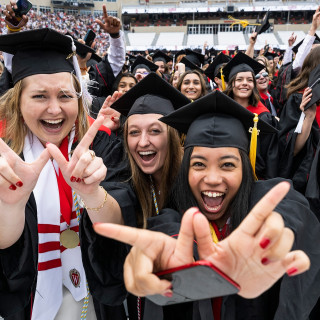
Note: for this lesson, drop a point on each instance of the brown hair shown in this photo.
(15, 128)
(142, 182)
(203, 84)
(301, 81)
(255, 96)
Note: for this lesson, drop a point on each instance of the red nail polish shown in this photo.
(264, 243)
(78, 180)
(168, 294)
(265, 261)
(196, 212)
(13, 187)
(112, 118)
(19, 184)
(292, 271)
(73, 179)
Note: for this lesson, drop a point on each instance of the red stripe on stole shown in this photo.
(48, 228)
(49, 246)
(42, 266)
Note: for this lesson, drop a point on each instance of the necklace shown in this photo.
(154, 196)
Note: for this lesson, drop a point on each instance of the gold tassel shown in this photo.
(223, 83)
(253, 144)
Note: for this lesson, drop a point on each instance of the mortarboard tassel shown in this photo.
(253, 144)
(222, 80)
(84, 94)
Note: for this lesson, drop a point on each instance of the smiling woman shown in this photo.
(240, 74)
(50, 160)
(192, 85)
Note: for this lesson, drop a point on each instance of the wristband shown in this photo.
(115, 35)
(13, 30)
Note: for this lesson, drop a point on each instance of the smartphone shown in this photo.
(89, 37)
(196, 281)
(24, 7)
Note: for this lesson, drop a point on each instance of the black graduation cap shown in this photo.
(142, 62)
(151, 95)
(214, 121)
(296, 47)
(179, 53)
(241, 63)
(161, 56)
(195, 57)
(213, 69)
(265, 25)
(314, 84)
(189, 65)
(38, 51)
(270, 55)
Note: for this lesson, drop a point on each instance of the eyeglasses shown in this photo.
(142, 73)
(263, 74)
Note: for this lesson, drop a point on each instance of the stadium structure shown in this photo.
(174, 25)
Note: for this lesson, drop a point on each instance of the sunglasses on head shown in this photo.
(263, 74)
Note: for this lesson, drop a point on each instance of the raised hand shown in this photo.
(111, 116)
(13, 22)
(84, 171)
(152, 252)
(18, 178)
(109, 24)
(292, 39)
(255, 255)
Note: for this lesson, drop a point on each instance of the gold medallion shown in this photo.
(69, 239)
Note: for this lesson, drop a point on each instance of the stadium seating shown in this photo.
(141, 39)
(197, 40)
(168, 39)
(231, 38)
(266, 38)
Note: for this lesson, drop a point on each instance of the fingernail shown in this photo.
(196, 212)
(47, 143)
(19, 184)
(292, 271)
(264, 243)
(73, 179)
(168, 294)
(265, 261)
(79, 180)
(112, 118)
(13, 187)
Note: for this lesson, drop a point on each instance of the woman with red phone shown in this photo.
(253, 249)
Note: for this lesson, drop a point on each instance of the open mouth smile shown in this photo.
(212, 200)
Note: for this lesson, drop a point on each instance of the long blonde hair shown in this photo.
(15, 129)
(142, 183)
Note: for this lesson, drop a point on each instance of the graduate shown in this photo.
(52, 167)
(141, 67)
(299, 126)
(216, 179)
(213, 72)
(240, 74)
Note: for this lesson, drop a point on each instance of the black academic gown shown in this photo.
(290, 298)
(297, 168)
(18, 263)
(103, 78)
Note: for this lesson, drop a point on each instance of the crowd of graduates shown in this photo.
(116, 167)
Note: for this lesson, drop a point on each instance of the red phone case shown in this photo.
(197, 281)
